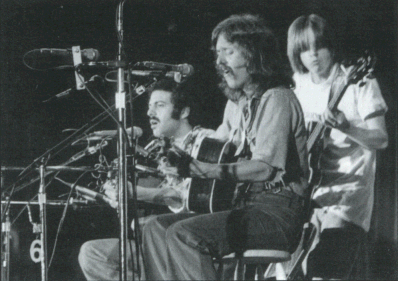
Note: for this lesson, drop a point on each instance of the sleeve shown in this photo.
(370, 99)
(273, 131)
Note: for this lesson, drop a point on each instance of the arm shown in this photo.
(249, 170)
(163, 196)
(372, 133)
(147, 194)
(273, 129)
(374, 136)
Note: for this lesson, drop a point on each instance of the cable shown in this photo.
(108, 111)
(61, 222)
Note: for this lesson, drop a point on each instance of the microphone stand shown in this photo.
(5, 240)
(43, 223)
(120, 103)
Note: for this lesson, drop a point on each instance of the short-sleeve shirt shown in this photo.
(270, 127)
(348, 169)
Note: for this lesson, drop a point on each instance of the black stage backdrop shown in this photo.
(169, 31)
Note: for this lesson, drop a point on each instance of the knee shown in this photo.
(149, 226)
(152, 231)
(175, 233)
(85, 252)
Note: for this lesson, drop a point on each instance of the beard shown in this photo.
(231, 94)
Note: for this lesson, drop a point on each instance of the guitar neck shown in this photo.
(332, 105)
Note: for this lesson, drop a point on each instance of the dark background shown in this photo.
(173, 31)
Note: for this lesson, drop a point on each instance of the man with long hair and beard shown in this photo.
(263, 118)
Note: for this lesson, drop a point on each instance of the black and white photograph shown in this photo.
(199, 140)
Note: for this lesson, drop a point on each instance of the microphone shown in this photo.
(154, 73)
(148, 170)
(88, 151)
(136, 132)
(158, 74)
(91, 193)
(185, 69)
(47, 58)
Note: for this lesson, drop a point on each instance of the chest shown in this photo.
(314, 101)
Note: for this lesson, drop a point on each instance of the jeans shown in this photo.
(182, 246)
(99, 259)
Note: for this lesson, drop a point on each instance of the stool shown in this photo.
(260, 258)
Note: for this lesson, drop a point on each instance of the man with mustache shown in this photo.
(265, 121)
(169, 111)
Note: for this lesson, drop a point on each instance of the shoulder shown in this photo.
(281, 101)
(279, 94)
(199, 133)
(300, 78)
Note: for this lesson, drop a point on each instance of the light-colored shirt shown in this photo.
(270, 128)
(348, 169)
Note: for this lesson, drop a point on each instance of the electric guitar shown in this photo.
(208, 196)
(361, 70)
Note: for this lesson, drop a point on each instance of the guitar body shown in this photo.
(209, 196)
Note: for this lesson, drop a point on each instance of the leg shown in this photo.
(99, 259)
(154, 244)
(182, 247)
(336, 248)
(195, 241)
(335, 255)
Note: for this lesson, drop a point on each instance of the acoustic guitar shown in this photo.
(209, 196)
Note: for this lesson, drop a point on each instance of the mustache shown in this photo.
(221, 68)
(154, 119)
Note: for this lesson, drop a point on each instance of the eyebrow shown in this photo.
(158, 101)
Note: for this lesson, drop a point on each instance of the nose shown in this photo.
(314, 51)
(150, 111)
(220, 58)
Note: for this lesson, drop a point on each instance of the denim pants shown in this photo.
(183, 246)
(99, 259)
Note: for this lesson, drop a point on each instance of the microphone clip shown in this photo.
(77, 59)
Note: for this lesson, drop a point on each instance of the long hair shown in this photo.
(298, 40)
(260, 48)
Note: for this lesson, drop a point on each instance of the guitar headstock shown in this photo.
(360, 70)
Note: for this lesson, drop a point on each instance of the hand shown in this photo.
(111, 189)
(165, 168)
(180, 159)
(336, 120)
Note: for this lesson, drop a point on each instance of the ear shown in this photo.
(185, 113)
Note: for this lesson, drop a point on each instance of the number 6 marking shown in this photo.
(36, 251)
